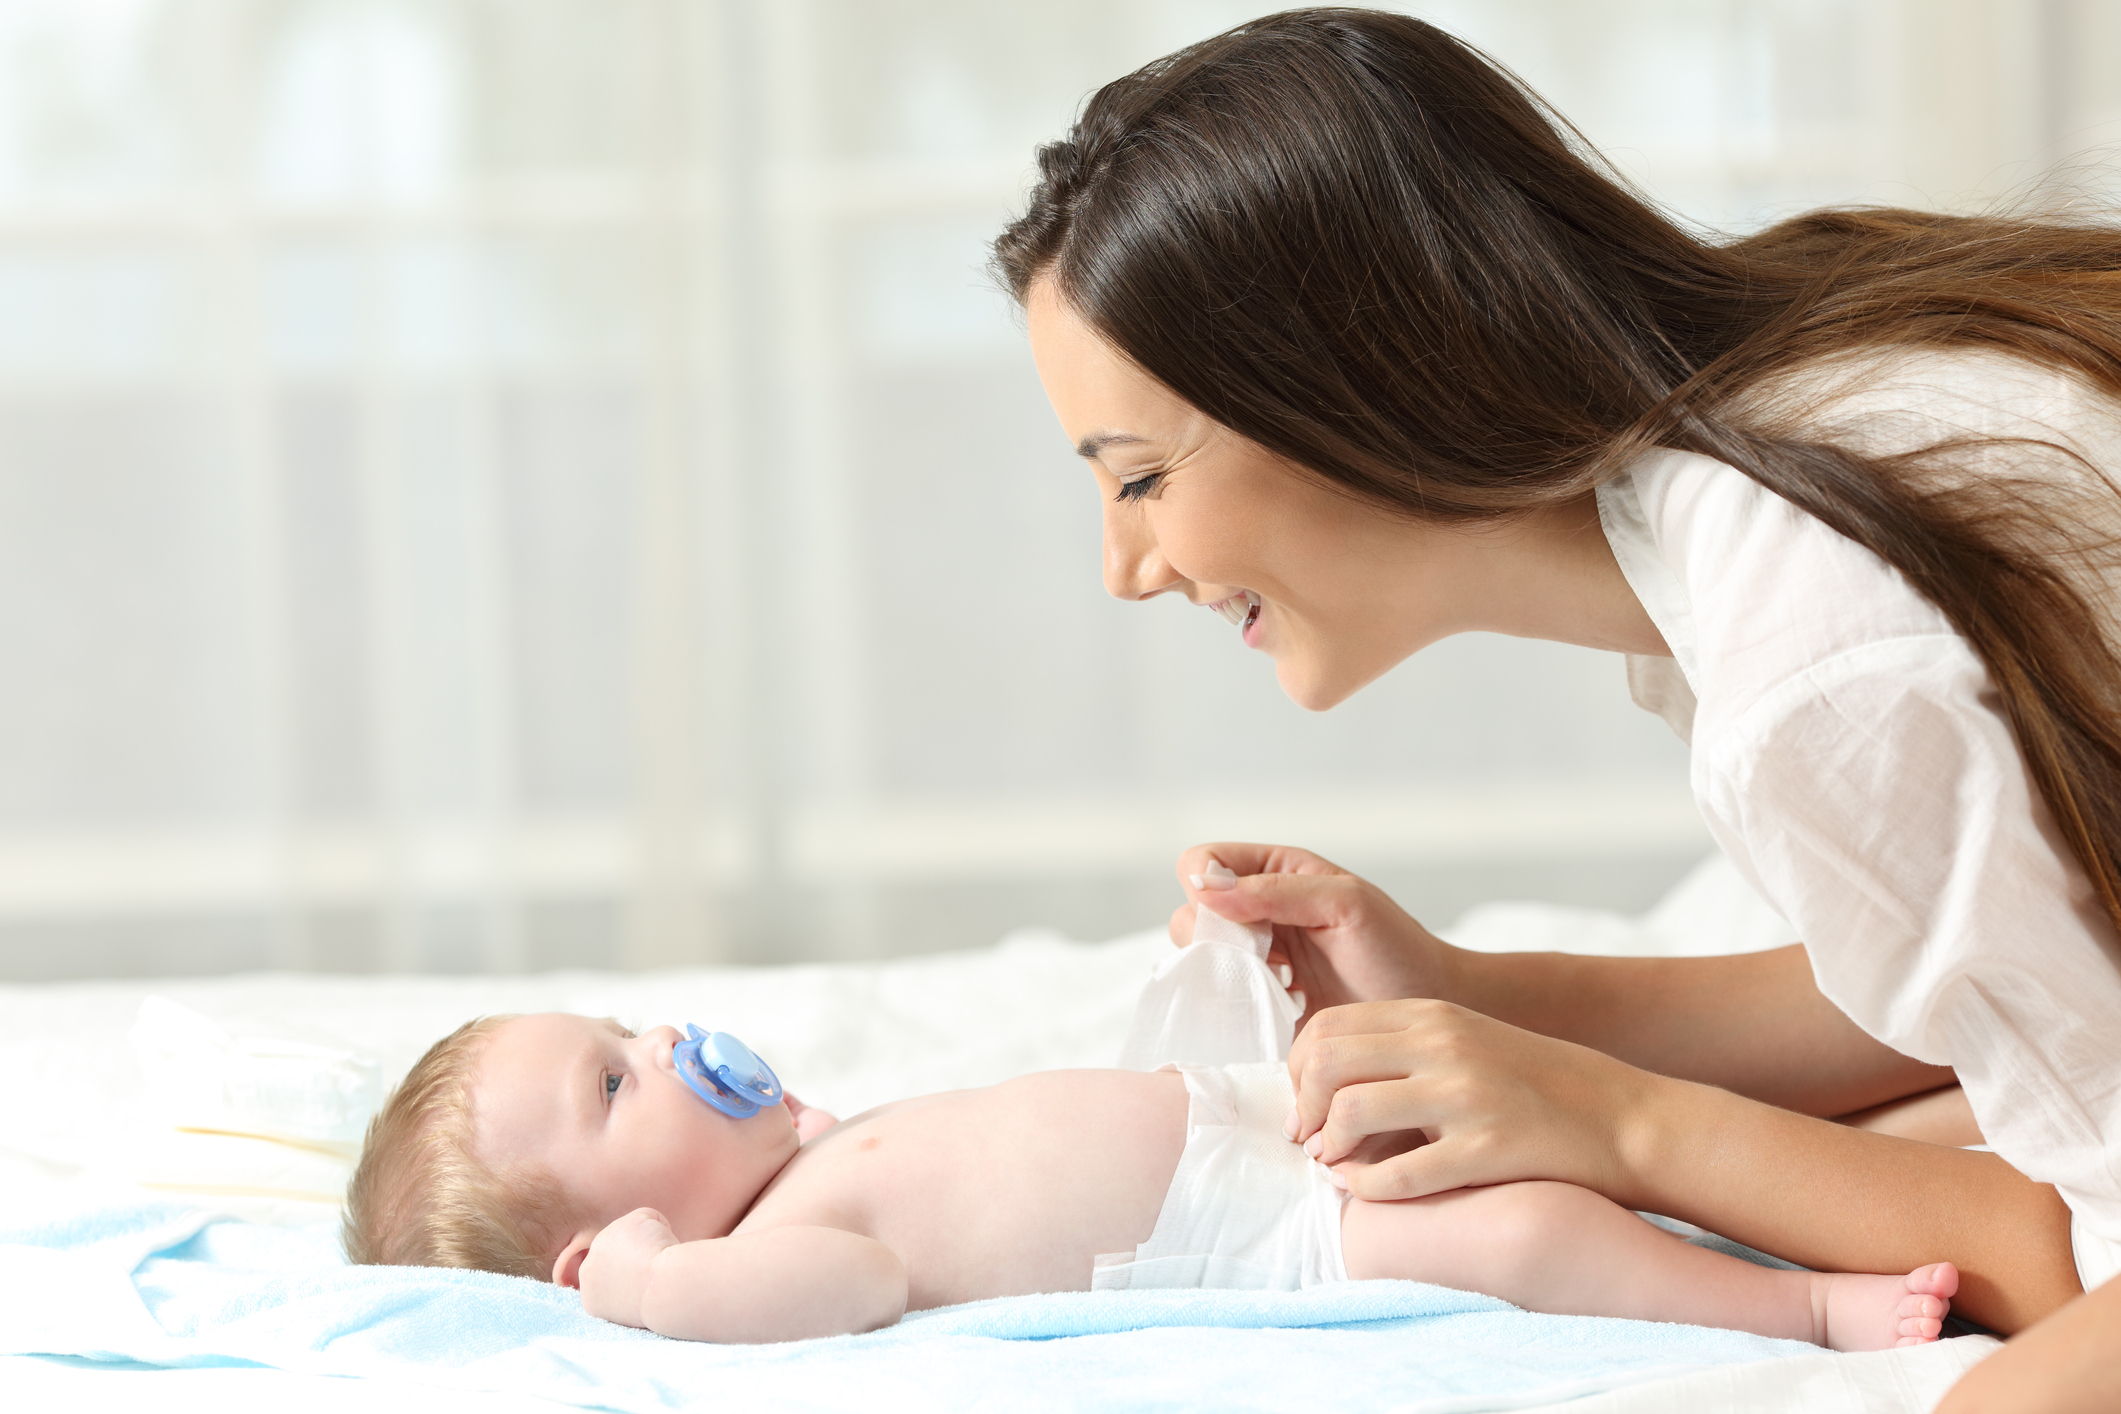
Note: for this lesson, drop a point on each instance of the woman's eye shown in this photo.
(1139, 487)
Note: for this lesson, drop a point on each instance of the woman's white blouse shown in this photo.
(1851, 756)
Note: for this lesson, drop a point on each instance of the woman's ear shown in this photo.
(567, 1271)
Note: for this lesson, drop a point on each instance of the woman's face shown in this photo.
(1334, 591)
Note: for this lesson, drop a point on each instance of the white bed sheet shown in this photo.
(844, 1036)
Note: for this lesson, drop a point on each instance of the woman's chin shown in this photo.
(1311, 688)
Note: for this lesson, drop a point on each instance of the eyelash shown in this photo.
(611, 1080)
(1140, 486)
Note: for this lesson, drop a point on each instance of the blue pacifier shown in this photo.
(725, 1072)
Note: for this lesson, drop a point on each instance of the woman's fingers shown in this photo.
(1243, 858)
(1432, 1168)
(1345, 939)
(1495, 1103)
(1293, 900)
(1360, 1112)
(1354, 1045)
(1379, 1147)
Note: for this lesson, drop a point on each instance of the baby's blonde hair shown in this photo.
(419, 1196)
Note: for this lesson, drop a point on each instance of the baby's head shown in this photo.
(516, 1138)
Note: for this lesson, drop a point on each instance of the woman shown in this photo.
(1365, 348)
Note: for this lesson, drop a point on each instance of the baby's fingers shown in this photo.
(643, 1227)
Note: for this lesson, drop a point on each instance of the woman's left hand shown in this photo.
(1494, 1103)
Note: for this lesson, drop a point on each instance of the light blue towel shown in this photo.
(163, 1286)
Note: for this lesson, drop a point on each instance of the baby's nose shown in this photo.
(659, 1040)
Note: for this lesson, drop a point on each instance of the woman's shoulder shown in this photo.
(1725, 537)
(1749, 591)
(1885, 402)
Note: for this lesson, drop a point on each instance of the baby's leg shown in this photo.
(1565, 1250)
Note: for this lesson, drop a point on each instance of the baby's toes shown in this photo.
(1921, 1320)
(1939, 1279)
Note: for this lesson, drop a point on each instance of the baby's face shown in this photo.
(605, 1112)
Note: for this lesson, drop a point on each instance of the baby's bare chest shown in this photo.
(1010, 1189)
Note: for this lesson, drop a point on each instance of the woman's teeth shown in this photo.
(1239, 609)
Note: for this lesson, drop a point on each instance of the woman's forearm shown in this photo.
(1830, 1196)
(1753, 1023)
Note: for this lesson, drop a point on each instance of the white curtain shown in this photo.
(491, 484)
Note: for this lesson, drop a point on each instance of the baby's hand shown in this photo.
(615, 1273)
(810, 1121)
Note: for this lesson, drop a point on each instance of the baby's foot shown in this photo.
(1878, 1313)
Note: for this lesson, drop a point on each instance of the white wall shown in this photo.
(513, 483)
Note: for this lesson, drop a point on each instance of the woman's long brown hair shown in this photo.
(1354, 240)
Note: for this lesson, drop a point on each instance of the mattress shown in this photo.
(84, 1125)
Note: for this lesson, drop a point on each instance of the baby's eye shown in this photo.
(611, 1085)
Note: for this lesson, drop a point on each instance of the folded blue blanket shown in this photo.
(165, 1286)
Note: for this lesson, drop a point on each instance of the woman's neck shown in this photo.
(1554, 577)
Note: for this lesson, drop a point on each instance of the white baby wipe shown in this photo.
(1215, 1002)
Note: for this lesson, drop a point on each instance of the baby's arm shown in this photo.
(781, 1283)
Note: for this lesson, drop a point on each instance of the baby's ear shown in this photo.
(567, 1271)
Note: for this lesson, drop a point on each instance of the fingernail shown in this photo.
(1286, 973)
(1333, 1177)
(1303, 1003)
(1195, 881)
(1219, 877)
(1289, 1125)
(1315, 1143)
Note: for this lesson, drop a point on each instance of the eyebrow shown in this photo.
(1096, 442)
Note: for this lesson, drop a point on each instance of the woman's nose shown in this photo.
(1135, 567)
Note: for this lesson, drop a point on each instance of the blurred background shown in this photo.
(491, 485)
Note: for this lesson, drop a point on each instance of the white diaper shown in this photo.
(1247, 1209)
(2098, 1258)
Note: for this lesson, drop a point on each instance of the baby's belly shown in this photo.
(1002, 1191)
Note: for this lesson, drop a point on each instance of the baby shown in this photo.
(567, 1148)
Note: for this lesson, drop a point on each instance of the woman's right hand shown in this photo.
(1490, 1103)
(1342, 937)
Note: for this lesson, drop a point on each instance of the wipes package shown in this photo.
(1215, 1002)
(201, 1077)
(245, 1117)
